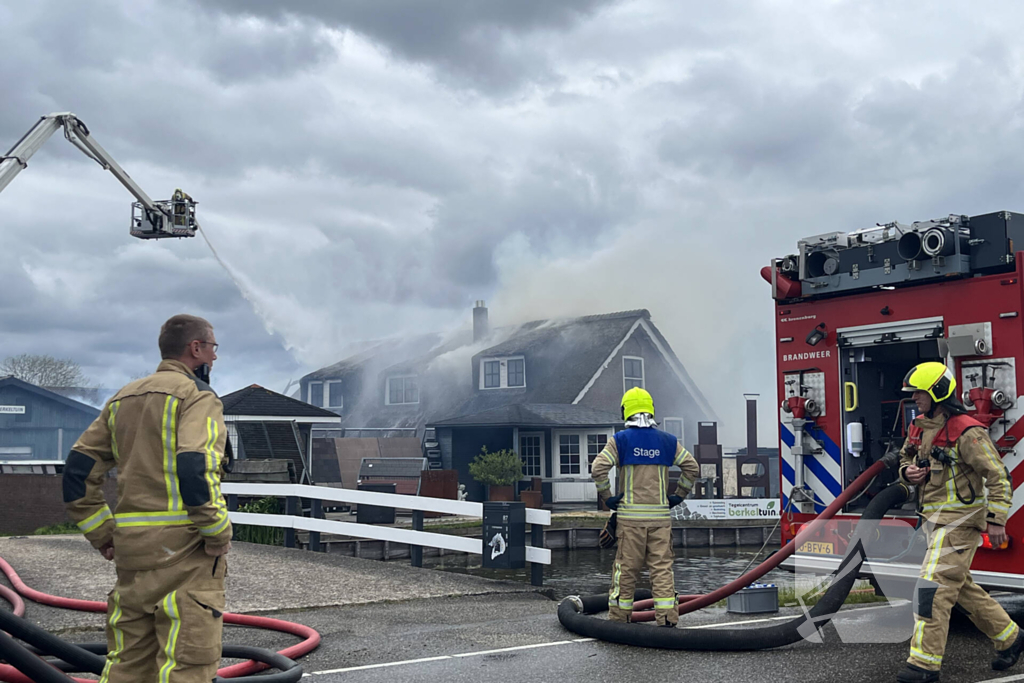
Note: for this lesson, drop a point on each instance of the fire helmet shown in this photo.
(636, 400)
(932, 377)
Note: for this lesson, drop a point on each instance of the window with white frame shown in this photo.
(492, 374)
(516, 372)
(571, 446)
(595, 444)
(531, 450)
(673, 425)
(632, 372)
(503, 373)
(402, 390)
(315, 394)
(335, 398)
(568, 453)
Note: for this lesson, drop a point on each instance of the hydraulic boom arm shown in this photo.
(173, 217)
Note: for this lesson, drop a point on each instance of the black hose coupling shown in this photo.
(891, 459)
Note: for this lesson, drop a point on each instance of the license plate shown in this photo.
(817, 548)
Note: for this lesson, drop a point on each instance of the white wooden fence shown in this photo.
(413, 537)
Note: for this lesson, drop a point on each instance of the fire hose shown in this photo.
(573, 611)
(26, 666)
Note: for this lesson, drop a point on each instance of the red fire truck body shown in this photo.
(854, 312)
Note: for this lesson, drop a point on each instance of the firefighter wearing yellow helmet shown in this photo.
(643, 455)
(963, 490)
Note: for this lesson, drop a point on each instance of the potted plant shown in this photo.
(499, 470)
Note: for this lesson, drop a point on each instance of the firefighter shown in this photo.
(169, 532)
(963, 490)
(643, 455)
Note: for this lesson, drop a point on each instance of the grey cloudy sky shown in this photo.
(371, 168)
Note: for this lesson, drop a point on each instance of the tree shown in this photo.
(44, 371)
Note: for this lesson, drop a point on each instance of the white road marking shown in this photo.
(442, 657)
(1007, 679)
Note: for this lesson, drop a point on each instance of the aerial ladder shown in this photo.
(174, 217)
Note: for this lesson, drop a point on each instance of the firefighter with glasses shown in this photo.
(643, 455)
(963, 490)
(169, 531)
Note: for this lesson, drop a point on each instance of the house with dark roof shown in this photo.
(37, 424)
(548, 389)
(263, 424)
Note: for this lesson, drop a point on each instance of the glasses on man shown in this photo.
(214, 345)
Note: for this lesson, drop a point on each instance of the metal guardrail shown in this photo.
(416, 538)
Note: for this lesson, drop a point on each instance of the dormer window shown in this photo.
(503, 373)
(316, 392)
(402, 390)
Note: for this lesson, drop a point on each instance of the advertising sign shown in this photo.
(738, 509)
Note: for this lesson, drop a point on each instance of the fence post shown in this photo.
(416, 551)
(233, 507)
(537, 541)
(291, 509)
(316, 512)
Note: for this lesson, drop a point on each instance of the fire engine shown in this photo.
(854, 311)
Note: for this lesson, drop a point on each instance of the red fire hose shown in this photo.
(12, 675)
(690, 603)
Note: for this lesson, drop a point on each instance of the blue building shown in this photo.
(37, 424)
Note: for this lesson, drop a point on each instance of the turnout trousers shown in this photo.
(637, 546)
(164, 625)
(945, 580)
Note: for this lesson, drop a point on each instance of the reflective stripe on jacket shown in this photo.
(165, 434)
(644, 487)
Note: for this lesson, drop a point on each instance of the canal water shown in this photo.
(588, 571)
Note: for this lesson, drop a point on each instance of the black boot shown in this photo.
(915, 674)
(1008, 657)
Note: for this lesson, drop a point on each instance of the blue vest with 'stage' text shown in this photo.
(646, 446)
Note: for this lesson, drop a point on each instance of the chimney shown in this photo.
(480, 326)
(751, 423)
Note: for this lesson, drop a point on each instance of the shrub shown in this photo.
(264, 535)
(498, 468)
(54, 529)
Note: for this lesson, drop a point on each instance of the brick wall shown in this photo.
(30, 501)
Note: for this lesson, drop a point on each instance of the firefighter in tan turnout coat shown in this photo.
(963, 490)
(169, 531)
(643, 456)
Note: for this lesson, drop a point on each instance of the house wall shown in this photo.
(40, 427)
(466, 445)
(444, 440)
(31, 501)
(670, 396)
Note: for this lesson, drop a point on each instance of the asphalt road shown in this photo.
(384, 622)
(504, 638)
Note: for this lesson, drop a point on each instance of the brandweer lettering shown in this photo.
(646, 452)
(827, 353)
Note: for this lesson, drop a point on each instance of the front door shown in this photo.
(575, 451)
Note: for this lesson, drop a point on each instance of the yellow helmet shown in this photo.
(934, 378)
(636, 400)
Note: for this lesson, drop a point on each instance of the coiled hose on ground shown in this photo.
(573, 611)
(89, 658)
